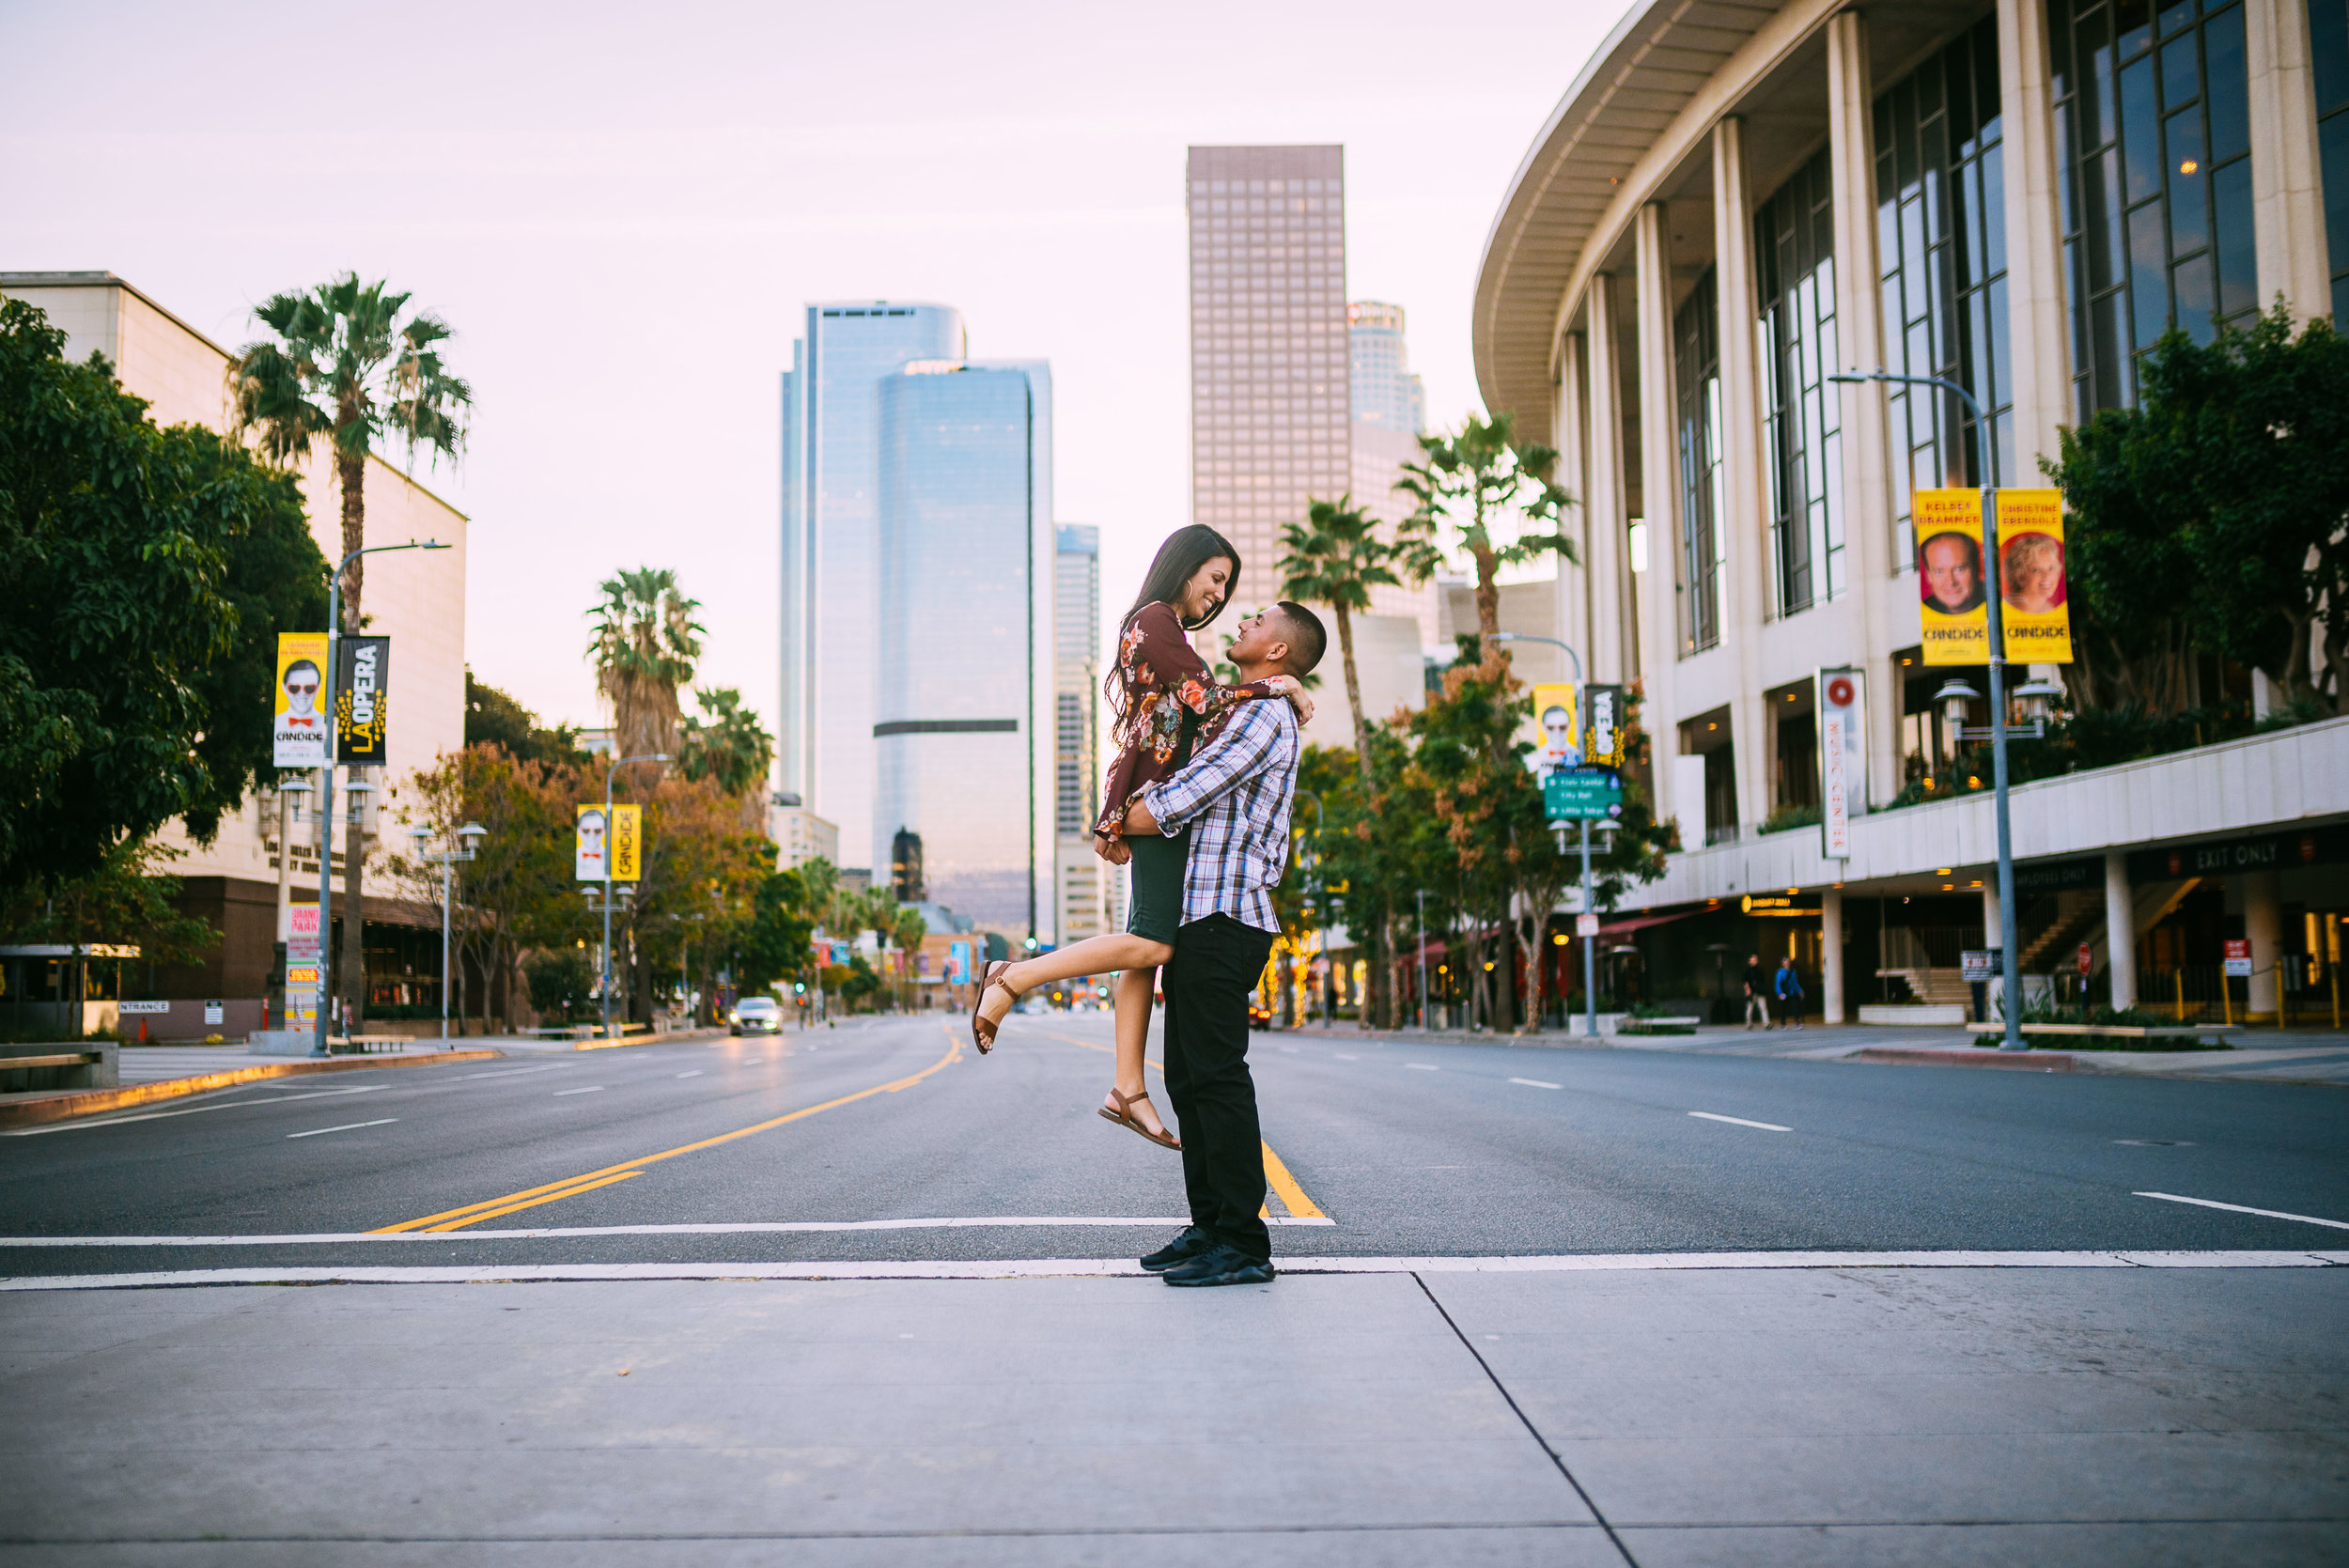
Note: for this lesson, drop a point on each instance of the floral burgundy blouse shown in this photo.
(1175, 696)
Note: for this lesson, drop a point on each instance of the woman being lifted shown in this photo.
(1164, 696)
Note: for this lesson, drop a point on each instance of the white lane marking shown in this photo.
(695, 1073)
(1741, 1121)
(591, 1089)
(1342, 1056)
(1535, 1083)
(1421, 1067)
(191, 1111)
(771, 1226)
(2238, 1208)
(1012, 1268)
(347, 1126)
(518, 1072)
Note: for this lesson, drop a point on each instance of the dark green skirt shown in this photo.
(1156, 885)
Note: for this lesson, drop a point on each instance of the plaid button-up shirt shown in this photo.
(1235, 798)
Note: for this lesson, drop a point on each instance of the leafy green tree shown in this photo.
(495, 717)
(728, 744)
(342, 367)
(146, 573)
(2219, 502)
(774, 944)
(645, 646)
(561, 981)
(1472, 484)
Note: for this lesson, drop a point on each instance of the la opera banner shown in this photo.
(1952, 605)
(2032, 593)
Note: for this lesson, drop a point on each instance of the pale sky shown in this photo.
(622, 210)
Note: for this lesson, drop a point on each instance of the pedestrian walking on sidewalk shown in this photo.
(1165, 698)
(1757, 993)
(1789, 985)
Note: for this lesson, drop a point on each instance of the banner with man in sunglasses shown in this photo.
(302, 730)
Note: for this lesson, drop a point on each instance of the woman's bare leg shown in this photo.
(1094, 956)
(1134, 989)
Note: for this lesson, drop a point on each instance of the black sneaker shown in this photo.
(1184, 1247)
(1221, 1266)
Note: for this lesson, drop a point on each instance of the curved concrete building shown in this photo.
(1732, 202)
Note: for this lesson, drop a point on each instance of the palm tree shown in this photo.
(1335, 558)
(342, 365)
(1471, 481)
(728, 744)
(644, 645)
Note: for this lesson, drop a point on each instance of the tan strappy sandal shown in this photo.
(981, 1032)
(1124, 1117)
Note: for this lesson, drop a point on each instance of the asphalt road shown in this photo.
(1407, 1148)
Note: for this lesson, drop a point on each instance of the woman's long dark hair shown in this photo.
(1177, 562)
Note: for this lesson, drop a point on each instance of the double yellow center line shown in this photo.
(571, 1186)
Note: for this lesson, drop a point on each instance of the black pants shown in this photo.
(1216, 966)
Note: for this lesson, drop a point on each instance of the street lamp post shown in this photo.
(623, 762)
(326, 777)
(1318, 818)
(1590, 943)
(1422, 895)
(2009, 961)
(470, 835)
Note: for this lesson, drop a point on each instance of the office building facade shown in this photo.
(831, 521)
(1388, 411)
(962, 731)
(1267, 345)
(1723, 211)
(1087, 884)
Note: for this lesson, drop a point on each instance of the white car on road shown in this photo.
(756, 1015)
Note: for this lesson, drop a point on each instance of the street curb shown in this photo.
(2026, 1061)
(669, 1039)
(95, 1101)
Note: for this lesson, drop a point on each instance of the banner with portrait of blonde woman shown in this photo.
(2033, 588)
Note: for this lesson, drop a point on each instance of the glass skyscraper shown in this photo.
(1386, 394)
(962, 730)
(1267, 345)
(831, 562)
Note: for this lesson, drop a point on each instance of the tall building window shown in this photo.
(2328, 45)
(1801, 413)
(2154, 134)
(1941, 238)
(1697, 374)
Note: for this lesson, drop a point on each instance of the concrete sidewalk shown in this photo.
(1808, 1416)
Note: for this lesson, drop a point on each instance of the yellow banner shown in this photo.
(1554, 731)
(627, 837)
(1951, 607)
(2034, 612)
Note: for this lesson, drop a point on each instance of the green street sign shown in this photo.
(1582, 794)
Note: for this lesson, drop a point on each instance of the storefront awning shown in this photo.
(1641, 922)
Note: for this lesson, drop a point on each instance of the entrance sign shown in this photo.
(1977, 963)
(363, 699)
(300, 732)
(2034, 612)
(1582, 794)
(2238, 957)
(1843, 756)
(1554, 732)
(1953, 613)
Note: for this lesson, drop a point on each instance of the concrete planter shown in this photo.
(1925, 1015)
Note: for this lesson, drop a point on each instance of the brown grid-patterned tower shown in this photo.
(1267, 345)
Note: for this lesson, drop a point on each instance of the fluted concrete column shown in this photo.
(1660, 483)
(1746, 535)
(2263, 923)
(1996, 987)
(1605, 656)
(2120, 929)
(2038, 315)
(1831, 954)
(1572, 440)
(2287, 194)
(1860, 340)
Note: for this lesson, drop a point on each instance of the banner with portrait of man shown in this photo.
(1554, 730)
(591, 845)
(301, 730)
(2033, 591)
(1952, 607)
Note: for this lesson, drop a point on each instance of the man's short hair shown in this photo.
(1304, 634)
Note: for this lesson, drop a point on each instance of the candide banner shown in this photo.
(588, 846)
(363, 689)
(1553, 731)
(300, 730)
(627, 837)
(2035, 616)
(1952, 605)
